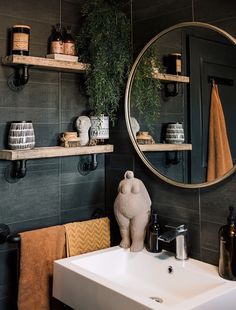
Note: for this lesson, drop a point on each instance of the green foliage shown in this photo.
(104, 43)
(145, 94)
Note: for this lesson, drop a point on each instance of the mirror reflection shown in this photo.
(181, 110)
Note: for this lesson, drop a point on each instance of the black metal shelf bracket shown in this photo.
(87, 164)
(15, 171)
(172, 160)
(19, 78)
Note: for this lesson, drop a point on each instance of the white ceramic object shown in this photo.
(21, 135)
(175, 133)
(83, 124)
(99, 127)
(115, 279)
(132, 211)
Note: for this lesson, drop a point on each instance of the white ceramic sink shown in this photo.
(116, 279)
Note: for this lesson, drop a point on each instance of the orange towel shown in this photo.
(219, 155)
(87, 236)
(39, 248)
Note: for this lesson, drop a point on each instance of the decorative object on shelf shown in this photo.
(134, 125)
(174, 64)
(20, 39)
(99, 127)
(21, 135)
(145, 92)
(143, 137)
(83, 124)
(57, 44)
(174, 133)
(70, 139)
(69, 42)
(104, 42)
(132, 211)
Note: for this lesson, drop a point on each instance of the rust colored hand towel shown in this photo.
(39, 248)
(87, 236)
(219, 155)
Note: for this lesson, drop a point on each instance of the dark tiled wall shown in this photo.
(203, 210)
(53, 192)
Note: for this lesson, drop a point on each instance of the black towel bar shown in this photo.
(6, 236)
(221, 81)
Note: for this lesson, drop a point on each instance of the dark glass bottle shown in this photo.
(69, 43)
(57, 44)
(227, 239)
(153, 232)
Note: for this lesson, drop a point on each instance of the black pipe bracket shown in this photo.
(19, 78)
(15, 171)
(87, 164)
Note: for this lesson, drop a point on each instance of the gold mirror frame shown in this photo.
(127, 104)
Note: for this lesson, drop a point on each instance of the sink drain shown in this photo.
(157, 299)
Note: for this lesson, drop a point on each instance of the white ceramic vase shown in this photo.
(99, 127)
(21, 135)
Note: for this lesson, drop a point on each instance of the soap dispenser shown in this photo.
(227, 239)
(153, 232)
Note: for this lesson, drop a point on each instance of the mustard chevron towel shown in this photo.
(219, 155)
(87, 236)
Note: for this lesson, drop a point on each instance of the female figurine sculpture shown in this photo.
(132, 211)
(83, 124)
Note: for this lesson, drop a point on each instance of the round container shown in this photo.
(174, 64)
(99, 127)
(20, 39)
(175, 133)
(21, 135)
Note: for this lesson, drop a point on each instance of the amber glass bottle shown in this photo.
(69, 43)
(57, 44)
(227, 239)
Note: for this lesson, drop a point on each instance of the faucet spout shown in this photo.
(180, 234)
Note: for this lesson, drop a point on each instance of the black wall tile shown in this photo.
(82, 194)
(80, 214)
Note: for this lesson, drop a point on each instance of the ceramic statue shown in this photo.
(132, 210)
(83, 124)
(134, 125)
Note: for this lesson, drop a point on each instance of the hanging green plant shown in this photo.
(145, 93)
(104, 43)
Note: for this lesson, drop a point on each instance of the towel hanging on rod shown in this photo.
(219, 154)
(220, 80)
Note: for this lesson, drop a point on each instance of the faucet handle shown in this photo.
(180, 229)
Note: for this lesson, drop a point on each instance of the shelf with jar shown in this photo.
(162, 147)
(45, 63)
(165, 77)
(62, 55)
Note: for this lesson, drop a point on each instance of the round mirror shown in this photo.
(180, 105)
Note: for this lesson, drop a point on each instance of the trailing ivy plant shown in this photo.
(145, 93)
(104, 43)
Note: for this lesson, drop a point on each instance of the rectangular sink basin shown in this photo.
(117, 279)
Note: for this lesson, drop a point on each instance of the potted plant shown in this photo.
(145, 93)
(104, 43)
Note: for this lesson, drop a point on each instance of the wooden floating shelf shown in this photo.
(162, 147)
(45, 63)
(170, 77)
(54, 151)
